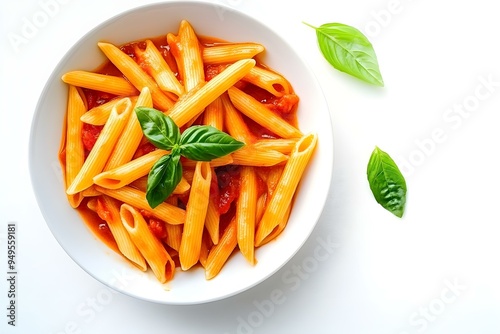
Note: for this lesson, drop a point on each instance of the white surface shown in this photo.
(362, 270)
(189, 287)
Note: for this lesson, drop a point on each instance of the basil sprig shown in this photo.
(200, 143)
(349, 51)
(387, 183)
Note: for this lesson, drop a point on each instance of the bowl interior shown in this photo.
(94, 256)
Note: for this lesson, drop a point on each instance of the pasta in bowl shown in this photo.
(181, 161)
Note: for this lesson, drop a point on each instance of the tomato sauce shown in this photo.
(226, 181)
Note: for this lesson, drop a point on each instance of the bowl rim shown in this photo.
(327, 178)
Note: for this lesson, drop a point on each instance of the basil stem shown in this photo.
(200, 143)
(205, 143)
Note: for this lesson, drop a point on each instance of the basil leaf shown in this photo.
(163, 177)
(386, 182)
(204, 143)
(160, 129)
(349, 51)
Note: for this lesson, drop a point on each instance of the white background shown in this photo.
(434, 271)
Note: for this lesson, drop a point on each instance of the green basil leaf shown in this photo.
(386, 182)
(160, 129)
(163, 177)
(349, 51)
(204, 143)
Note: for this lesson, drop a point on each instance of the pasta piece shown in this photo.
(74, 152)
(273, 178)
(168, 213)
(214, 114)
(174, 236)
(133, 72)
(158, 68)
(278, 229)
(284, 146)
(212, 220)
(186, 49)
(100, 114)
(220, 253)
(131, 136)
(250, 156)
(196, 210)
(261, 206)
(260, 114)
(101, 82)
(271, 81)
(150, 247)
(92, 204)
(97, 157)
(188, 174)
(246, 207)
(108, 210)
(90, 192)
(187, 108)
(230, 52)
(285, 189)
(206, 244)
(234, 122)
(125, 174)
(217, 162)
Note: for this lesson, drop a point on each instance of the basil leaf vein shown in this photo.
(160, 130)
(205, 143)
(348, 50)
(200, 143)
(163, 177)
(387, 183)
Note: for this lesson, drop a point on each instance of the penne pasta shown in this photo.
(97, 157)
(206, 245)
(150, 247)
(196, 210)
(186, 50)
(100, 82)
(214, 114)
(234, 203)
(285, 189)
(174, 236)
(266, 79)
(168, 213)
(225, 160)
(90, 192)
(212, 220)
(234, 122)
(133, 72)
(260, 114)
(100, 114)
(74, 151)
(108, 210)
(278, 229)
(127, 173)
(250, 156)
(284, 146)
(246, 207)
(223, 53)
(131, 136)
(187, 108)
(219, 253)
(152, 60)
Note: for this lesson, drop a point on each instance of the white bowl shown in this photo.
(93, 255)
